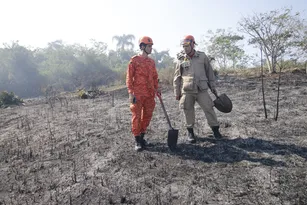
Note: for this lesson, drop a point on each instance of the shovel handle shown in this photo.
(212, 92)
(165, 113)
(216, 95)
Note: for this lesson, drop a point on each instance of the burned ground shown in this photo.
(81, 152)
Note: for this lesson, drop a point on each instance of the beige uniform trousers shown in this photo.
(204, 100)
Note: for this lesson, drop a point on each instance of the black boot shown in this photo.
(138, 144)
(191, 136)
(216, 132)
(144, 143)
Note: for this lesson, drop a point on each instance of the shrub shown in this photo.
(7, 99)
(83, 94)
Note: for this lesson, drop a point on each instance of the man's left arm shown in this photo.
(155, 79)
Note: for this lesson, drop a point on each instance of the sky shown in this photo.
(34, 23)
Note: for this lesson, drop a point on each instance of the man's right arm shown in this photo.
(177, 80)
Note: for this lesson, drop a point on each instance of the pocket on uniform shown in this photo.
(203, 83)
(187, 102)
(188, 83)
(182, 102)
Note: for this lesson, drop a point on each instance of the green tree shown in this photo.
(223, 46)
(56, 63)
(119, 59)
(162, 58)
(68, 67)
(19, 70)
(93, 67)
(300, 46)
(274, 32)
(124, 41)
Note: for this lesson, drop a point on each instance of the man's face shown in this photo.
(188, 47)
(148, 48)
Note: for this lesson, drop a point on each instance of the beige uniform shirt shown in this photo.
(192, 75)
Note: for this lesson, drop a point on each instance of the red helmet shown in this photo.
(188, 39)
(146, 40)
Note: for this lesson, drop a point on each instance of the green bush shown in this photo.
(7, 99)
(83, 94)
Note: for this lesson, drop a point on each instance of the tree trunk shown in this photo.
(262, 85)
(224, 62)
(278, 90)
(274, 61)
(268, 62)
(112, 95)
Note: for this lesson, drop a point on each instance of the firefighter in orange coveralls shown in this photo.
(142, 84)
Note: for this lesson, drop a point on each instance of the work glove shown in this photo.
(132, 98)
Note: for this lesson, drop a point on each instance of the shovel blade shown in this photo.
(172, 139)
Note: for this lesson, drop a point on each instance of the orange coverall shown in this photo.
(142, 82)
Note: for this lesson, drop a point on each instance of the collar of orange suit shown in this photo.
(144, 57)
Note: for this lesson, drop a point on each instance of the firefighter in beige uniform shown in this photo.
(193, 76)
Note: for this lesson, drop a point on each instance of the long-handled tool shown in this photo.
(172, 136)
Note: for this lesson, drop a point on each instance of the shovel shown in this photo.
(222, 102)
(172, 135)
